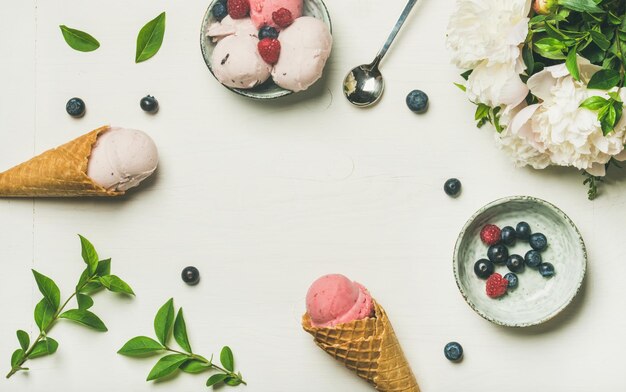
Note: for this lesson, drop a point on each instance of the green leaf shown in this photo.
(116, 285)
(194, 366)
(226, 358)
(49, 289)
(461, 87)
(550, 48)
(600, 40)
(163, 321)
(581, 5)
(465, 75)
(140, 346)
(216, 379)
(615, 96)
(84, 278)
(232, 381)
(150, 38)
(44, 314)
(90, 256)
(24, 339)
(572, 64)
(594, 103)
(84, 301)
(44, 347)
(17, 357)
(85, 318)
(180, 331)
(79, 40)
(104, 267)
(529, 60)
(166, 366)
(91, 287)
(482, 111)
(604, 79)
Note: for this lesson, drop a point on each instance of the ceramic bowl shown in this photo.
(536, 299)
(267, 90)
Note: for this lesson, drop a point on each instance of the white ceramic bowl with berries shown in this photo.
(267, 90)
(537, 298)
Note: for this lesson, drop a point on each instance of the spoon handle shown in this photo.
(394, 32)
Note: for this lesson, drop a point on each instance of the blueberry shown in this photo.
(546, 270)
(268, 32)
(508, 235)
(417, 101)
(75, 107)
(498, 253)
(453, 351)
(523, 231)
(538, 241)
(515, 263)
(191, 275)
(484, 268)
(512, 278)
(149, 104)
(219, 10)
(452, 187)
(533, 258)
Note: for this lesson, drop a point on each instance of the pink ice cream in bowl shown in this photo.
(231, 45)
(335, 299)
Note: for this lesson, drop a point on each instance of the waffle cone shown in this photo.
(60, 172)
(368, 347)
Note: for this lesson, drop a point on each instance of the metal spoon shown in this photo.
(364, 85)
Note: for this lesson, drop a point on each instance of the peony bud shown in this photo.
(544, 7)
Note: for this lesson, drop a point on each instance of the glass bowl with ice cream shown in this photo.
(266, 49)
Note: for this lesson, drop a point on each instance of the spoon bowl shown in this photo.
(364, 85)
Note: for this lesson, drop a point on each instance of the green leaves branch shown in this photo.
(95, 276)
(167, 323)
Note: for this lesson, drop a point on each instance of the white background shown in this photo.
(265, 197)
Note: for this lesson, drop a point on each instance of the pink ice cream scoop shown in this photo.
(335, 299)
(261, 11)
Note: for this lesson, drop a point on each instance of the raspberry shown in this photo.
(238, 9)
(269, 49)
(490, 234)
(496, 285)
(282, 17)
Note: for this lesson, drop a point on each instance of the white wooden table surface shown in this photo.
(265, 197)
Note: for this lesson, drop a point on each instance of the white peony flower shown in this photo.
(490, 30)
(559, 128)
(496, 85)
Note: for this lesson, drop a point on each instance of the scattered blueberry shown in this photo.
(508, 235)
(523, 231)
(75, 107)
(498, 253)
(484, 268)
(515, 263)
(219, 10)
(452, 187)
(538, 241)
(268, 32)
(149, 104)
(546, 269)
(191, 275)
(453, 351)
(512, 278)
(417, 101)
(533, 258)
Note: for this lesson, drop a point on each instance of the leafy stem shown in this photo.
(208, 363)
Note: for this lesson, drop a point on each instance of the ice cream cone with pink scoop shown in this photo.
(354, 329)
(104, 162)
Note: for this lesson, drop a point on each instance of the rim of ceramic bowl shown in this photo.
(504, 200)
(250, 93)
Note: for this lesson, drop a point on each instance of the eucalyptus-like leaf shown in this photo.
(89, 254)
(166, 366)
(194, 366)
(79, 40)
(216, 379)
(84, 301)
(180, 331)
(104, 267)
(140, 346)
(226, 358)
(24, 339)
(150, 38)
(49, 289)
(163, 321)
(604, 79)
(85, 318)
(17, 357)
(115, 284)
(44, 314)
(44, 347)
